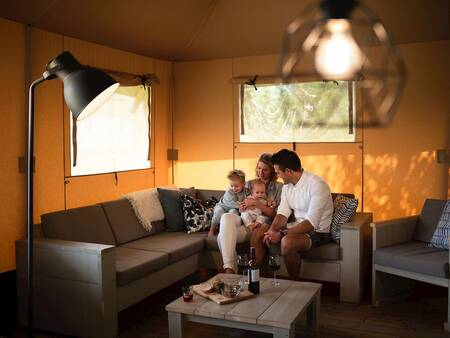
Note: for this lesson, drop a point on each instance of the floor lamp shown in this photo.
(85, 90)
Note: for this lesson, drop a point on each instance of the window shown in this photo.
(116, 137)
(297, 112)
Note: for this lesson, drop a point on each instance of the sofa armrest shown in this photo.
(393, 232)
(359, 221)
(75, 280)
(355, 258)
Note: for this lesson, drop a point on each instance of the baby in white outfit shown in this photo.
(252, 214)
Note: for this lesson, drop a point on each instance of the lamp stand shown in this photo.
(30, 152)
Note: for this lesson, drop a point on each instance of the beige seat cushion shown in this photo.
(329, 251)
(132, 264)
(177, 245)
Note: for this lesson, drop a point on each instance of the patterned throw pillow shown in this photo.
(344, 209)
(440, 236)
(197, 214)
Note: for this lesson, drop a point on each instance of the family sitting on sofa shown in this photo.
(259, 210)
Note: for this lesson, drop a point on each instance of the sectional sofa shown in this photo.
(94, 261)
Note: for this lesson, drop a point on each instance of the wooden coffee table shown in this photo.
(275, 310)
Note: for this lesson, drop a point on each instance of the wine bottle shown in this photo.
(253, 273)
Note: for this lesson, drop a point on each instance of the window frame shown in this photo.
(67, 142)
(357, 107)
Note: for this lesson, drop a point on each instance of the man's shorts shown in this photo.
(316, 239)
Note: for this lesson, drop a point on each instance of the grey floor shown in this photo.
(422, 316)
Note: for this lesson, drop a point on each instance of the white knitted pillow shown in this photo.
(146, 206)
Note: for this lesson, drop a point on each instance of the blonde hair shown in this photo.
(236, 174)
(266, 158)
(257, 181)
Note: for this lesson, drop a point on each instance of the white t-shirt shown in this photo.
(310, 199)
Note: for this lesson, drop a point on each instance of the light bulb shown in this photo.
(338, 56)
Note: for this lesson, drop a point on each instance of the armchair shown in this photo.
(401, 255)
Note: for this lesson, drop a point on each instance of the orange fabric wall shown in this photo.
(54, 188)
(12, 139)
(391, 170)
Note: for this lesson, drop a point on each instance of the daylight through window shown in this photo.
(297, 112)
(116, 137)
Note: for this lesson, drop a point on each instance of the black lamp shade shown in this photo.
(86, 89)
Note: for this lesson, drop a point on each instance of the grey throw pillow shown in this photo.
(171, 204)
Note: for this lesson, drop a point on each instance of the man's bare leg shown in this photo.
(256, 241)
(290, 246)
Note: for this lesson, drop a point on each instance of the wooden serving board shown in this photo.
(219, 298)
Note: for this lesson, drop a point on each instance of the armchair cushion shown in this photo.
(440, 237)
(414, 256)
(428, 220)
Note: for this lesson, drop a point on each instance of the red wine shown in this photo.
(253, 273)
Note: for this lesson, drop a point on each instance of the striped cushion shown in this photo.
(344, 210)
(440, 236)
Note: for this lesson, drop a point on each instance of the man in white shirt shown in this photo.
(309, 197)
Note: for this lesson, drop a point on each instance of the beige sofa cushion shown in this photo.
(177, 245)
(86, 224)
(124, 223)
(132, 264)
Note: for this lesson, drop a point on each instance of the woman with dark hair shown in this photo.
(232, 230)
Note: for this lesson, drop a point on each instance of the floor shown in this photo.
(422, 316)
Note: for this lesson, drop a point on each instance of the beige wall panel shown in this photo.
(12, 140)
(85, 190)
(247, 154)
(162, 123)
(49, 151)
(339, 164)
(203, 123)
(400, 166)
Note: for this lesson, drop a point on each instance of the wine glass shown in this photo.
(274, 263)
(242, 262)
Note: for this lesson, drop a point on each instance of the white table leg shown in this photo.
(313, 313)
(283, 333)
(175, 325)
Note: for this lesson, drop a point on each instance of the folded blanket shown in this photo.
(146, 206)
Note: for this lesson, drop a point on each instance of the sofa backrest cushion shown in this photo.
(173, 210)
(428, 219)
(85, 224)
(124, 223)
(204, 194)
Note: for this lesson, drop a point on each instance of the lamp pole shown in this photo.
(30, 162)
(85, 89)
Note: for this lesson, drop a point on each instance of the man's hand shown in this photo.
(271, 237)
